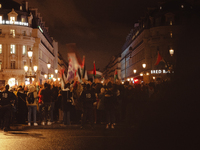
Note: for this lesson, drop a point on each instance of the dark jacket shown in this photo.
(88, 98)
(46, 95)
(66, 99)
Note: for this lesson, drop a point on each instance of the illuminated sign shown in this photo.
(14, 22)
(159, 71)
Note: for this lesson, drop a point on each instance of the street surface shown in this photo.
(72, 138)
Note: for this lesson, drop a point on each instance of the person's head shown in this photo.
(67, 85)
(45, 85)
(88, 86)
(31, 88)
(7, 87)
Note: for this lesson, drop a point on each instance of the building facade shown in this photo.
(150, 51)
(21, 29)
(113, 65)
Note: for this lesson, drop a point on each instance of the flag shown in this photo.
(71, 71)
(116, 75)
(63, 78)
(159, 59)
(90, 74)
(94, 69)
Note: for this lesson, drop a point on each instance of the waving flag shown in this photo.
(71, 71)
(94, 70)
(159, 59)
(116, 75)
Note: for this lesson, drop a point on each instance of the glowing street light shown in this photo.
(144, 65)
(171, 52)
(134, 71)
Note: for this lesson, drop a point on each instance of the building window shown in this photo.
(20, 7)
(0, 5)
(0, 64)
(0, 31)
(170, 23)
(12, 19)
(23, 19)
(1, 19)
(24, 33)
(0, 48)
(171, 34)
(24, 49)
(12, 64)
(41, 54)
(12, 32)
(12, 49)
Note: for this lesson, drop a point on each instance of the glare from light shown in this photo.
(35, 68)
(131, 79)
(56, 71)
(144, 65)
(48, 65)
(45, 76)
(25, 68)
(141, 74)
(30, 53)
(51, 75)
(171, 52)
(128, 79)
(154, 78)
(134, 71)
(58, 79)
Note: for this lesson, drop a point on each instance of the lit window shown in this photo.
(0, 48)
(12, 32)
(12, 64)
(20, 7)
(1, 19)
(171, 34)
(24, 49)
(0, 5)
(160, 7)
(0, 64)
(182, 6)
(170, 23)
(12, 19)
(23, 19)
(12, 49)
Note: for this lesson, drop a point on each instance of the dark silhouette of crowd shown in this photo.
(87, 103)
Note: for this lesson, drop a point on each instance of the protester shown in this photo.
(87, 98)
(47, 105)
(6, 108)
(66, 103)
(31, 101)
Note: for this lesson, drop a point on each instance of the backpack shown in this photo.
(30, 98)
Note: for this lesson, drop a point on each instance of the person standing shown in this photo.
(6, 108)
(47, 104)
(31, 101)
(87, 98)
(66, 103)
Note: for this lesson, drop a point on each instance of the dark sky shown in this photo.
(98, 27)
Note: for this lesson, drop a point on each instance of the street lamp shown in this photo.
(134, 71)
(30, 72)
(144, 65)
(171, 52)
(56, 71)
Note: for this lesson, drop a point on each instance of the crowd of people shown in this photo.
(83, 103)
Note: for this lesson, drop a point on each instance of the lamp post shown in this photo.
(30, 72)
(171, 52)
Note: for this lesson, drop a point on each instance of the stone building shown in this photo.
(113, 65)
(156, 39)
(21, 29)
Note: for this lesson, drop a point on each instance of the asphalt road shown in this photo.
(72, 138)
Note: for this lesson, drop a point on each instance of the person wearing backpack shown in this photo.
(31, 101)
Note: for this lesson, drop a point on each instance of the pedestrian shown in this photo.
(66, 104)
(87, 98)
(46, 107)
(21, 107)
(31, 101)
(6, 108)
(109, 106)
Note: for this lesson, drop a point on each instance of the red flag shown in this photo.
(94, 69)
(83, 62)
(159, 58)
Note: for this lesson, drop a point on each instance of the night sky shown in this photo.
(98, 27)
